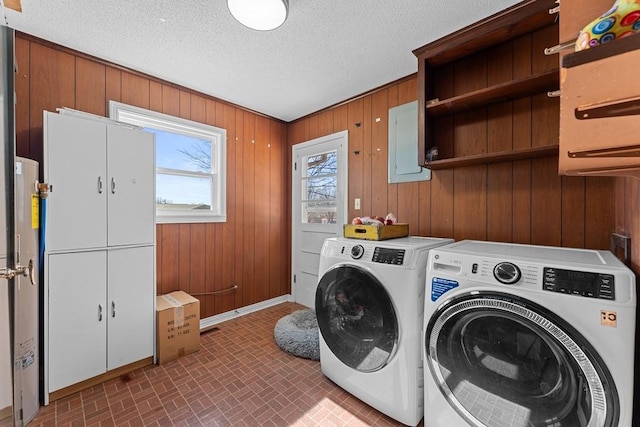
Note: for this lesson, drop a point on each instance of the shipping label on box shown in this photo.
(178, 326)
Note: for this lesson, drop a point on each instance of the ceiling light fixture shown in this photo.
(260, 15)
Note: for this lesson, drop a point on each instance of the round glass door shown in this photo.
(356, 318)
(502, 360)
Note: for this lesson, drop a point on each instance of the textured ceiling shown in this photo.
(326, 52)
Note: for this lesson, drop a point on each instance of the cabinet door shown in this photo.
(131, 203)
(131, 296)
(77, 320)
(75, 167)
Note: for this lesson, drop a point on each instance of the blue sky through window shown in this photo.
(182, 153)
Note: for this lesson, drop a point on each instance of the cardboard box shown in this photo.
(376, 232)
(177, 327)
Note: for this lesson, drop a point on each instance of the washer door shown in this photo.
(503, 360)
(356, 318)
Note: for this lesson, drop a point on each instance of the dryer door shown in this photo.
(503, 360)
(356, 318)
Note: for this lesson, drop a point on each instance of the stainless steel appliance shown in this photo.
(19, 293)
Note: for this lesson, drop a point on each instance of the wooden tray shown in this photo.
(376, 232)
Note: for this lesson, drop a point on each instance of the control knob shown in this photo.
(357, 251)
(507, 273)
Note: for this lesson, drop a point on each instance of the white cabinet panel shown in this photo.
(131, 201)
(131, 312)
(100, 246)
(75, 167)
(77, 317)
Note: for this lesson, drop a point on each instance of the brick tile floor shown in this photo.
(238, 378)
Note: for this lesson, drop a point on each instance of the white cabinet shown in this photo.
(75, 167)
(102, 183)
(101, 312)
(131, 313)
(77, 310)
(100, 248)
(131, 190)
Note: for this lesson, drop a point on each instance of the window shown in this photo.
(319, 188)
(190, 165)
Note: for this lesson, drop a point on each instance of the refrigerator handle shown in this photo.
(113, 309)
(32, 272)
(99, 185)
(99, 312)
(113, 185)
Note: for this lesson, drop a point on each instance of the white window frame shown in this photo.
(218, 137)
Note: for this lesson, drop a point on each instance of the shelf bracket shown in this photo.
(559, 47)
(623, 107)
(626, 151)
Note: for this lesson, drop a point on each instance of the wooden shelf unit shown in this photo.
(497, 157)
(507, 91)
(520, 20)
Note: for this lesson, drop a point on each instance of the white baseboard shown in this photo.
(210, 322)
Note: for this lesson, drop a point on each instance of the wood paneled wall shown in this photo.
(627, 197)
(250, 250)
(522, 202)
(627, 200)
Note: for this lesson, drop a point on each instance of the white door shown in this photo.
(319, 203)
(77, 321)
(131, 175)
(77, 199)
(130, 305)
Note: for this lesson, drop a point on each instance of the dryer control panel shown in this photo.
(388, 256)
(593, 285)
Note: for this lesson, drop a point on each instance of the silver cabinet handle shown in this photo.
(113, 185)
(99, 185)
(99, 312)
(113, 309)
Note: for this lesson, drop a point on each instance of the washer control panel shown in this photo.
(388, 256)
(588, 284)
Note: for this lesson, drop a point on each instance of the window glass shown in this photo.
(182, 192)
(319, 188)
(175, 151)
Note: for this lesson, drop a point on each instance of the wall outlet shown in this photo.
(356, 204)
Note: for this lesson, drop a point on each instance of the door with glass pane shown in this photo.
(319, 207)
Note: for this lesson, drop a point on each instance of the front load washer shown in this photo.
(521, 335)
(369, 306)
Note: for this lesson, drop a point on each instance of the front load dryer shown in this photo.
(523, 335)
(369, 306)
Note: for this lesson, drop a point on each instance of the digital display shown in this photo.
(388, 256)
(577, 280)
(592, 285)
